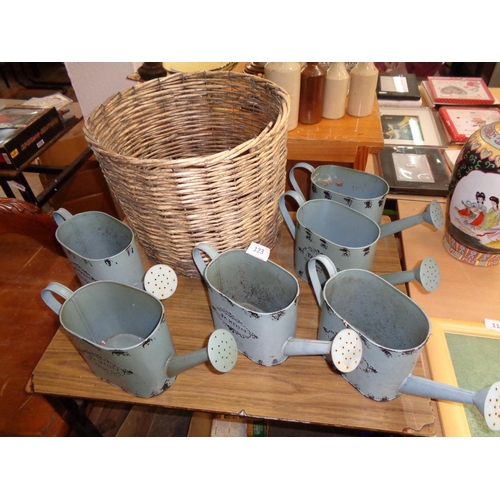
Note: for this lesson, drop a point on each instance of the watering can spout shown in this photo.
(221, 352)
(345, 349)
(433, 215)
(427, 274)
(487, 401)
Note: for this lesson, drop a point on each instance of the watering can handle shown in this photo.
(284, 211)
(61, 215)
(49, 298)
(313, 273)
(291, 176)
(198, 260)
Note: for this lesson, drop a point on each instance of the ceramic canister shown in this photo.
(472, 212)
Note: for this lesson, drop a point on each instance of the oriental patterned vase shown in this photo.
(472, 232)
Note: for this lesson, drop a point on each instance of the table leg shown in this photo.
(74, 416)
(361, 158)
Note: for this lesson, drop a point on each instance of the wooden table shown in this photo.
(346, 140)
(465, 292)
(302, 389)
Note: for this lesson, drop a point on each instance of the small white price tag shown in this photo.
(492, 324)
(258, 251)
(17, 185)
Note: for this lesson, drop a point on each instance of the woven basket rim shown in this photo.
(159, 162)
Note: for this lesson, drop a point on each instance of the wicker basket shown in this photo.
(195, 157)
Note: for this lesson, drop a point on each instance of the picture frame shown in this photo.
(410, 127)
(449, 350)
(414, 170)
(462, 122)
(459, 90)
(402, 87)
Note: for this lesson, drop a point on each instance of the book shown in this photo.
(398, 87)
(414, 170)
(461, 122)
(459, 90)
(23, 131)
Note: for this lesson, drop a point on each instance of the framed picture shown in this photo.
(410, 127)
(398, 87)
(414, 170)
(463, 354)
(462, 122)
(459, 90)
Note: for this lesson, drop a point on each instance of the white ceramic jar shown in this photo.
(362, 89)
(337, 85)
(287, 76)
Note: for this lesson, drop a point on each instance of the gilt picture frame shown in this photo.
(463, 354)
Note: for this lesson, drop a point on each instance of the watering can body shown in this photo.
(347, 237)
(392, 327)
(325, 227)
(255, 300)
(362, 191)
(120, 331)
(99, 247)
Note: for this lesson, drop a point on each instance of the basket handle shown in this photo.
(291, 176)
(198, 259)
(284, 211)
(61, 215)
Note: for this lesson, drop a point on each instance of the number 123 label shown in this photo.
(258, 251)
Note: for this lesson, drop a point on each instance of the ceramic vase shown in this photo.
(362, 87)
(287, 76)
(312, 93)
(472, 232)
(337, 85)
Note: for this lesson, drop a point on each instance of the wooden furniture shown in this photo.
(465, 292)
(20, 217)
(302, 389)
(31, 257)
(64, 173)
(346, 140)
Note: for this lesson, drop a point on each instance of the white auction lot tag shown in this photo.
(492, 324)
(258, 251)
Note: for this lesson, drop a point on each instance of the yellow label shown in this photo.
(14, 153)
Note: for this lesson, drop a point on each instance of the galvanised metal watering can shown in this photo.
(99, 247)
(346, 236)
(122, 334)
(361, 191)
(257, 301)
(393, 330)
